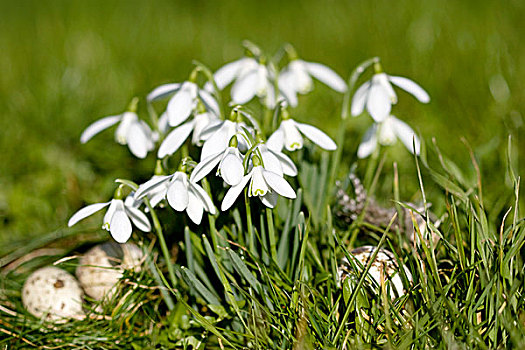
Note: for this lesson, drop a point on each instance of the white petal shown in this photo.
(113, 206)
(231, 167)
(210, 129)
(98, 126)
(175, 139)
(287, 164)
(199, 192)
(301, 77)
(209, 102)
(120, 227)
(276, 141)
(359, 99)
(182, 103)
(163, 124)
(219, 140)
(205, 167)
(326, 76)
(378, 103)
(317, 136)
(269, 199)
(279, 184)
(245, 87)
(157, 197)
(227, 73)
(292, 138)
(381, 79)
(369, 143)
(151, 185)
(411, 87)
(258, 186)
(85, 212)
(177, 194)
(287, 88)
(140, 220)
(195, 208)
(271, 162)
(138, 141)
(162, 91)
(406, 135)
(202, 121)
(234, 192)
(128, 119)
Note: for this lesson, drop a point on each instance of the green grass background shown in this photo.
(64, 64)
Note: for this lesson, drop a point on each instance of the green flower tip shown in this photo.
(256, 160)
(233, 141)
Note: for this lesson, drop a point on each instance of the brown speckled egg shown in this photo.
(384, 260)
(53, 293)
(102, 266)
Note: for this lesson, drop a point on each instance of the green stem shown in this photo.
(345, 111)
(271, 235)
(162, 241)
(251, 243)
(211, 218)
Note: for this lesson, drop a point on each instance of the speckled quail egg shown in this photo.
(53, 293)
(101, 267)
(384, 260)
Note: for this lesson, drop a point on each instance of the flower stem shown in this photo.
(345, 111)
(211, 218)
(251, 243)
(162, 241)
(271, 234)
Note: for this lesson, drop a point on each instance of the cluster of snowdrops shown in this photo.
(248, 151)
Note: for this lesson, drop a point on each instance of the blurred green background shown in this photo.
(64, 64)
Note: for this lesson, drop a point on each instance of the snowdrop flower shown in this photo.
(225, 75)
(131, 131)
(182, 194)
(288, 135)
(378, 95)
(230, 165)
(296, 78)
(264, 184)
(221, 134)
(252, 78)
(178, 136)
(276, 161)
(117, 218)
(386, 133)
(185, 99)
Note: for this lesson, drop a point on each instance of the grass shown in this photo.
(278, 287)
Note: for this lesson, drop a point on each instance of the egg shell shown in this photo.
(53, 293)
(384, 260)
(101, 267)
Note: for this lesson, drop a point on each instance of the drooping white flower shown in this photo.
(252, 78)
(221, 134)
(296, 78)
(276, 161)
(264, 184)
(117, 219)
(230, 163)
(178, 136)
(387, 133)
(185, 99)
(288, 135)
(182, 194)
(378, 95)
(131, 131)
(225, 75)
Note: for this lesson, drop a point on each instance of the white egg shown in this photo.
(102, 266)
(53, 293)
(384, 261)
